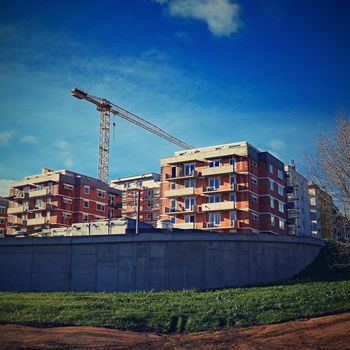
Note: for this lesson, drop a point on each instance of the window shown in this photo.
(270, 169)
(273, 220)
(85, 204)
(214, 183)
(173, 219)
(214, 163)
(38, 203)
(214, 219)
(271, 185)
(86, 189)
(281, 224)
(255, 198)
(188, 169)
(189, 203)
(173, 171)
(149, 193)
(150, 205)
(101, 193)
(254, 180)
(38, 215)
(189, 183)
(85, 218)
(67, 186)
(281, 207)
(280, 190)
(272, 202)
(39, 186)
(67, 200)
(189, 218)
(111, 199)
(2, 221)
(255, 216)
(232, 161)
(49, 187)
(110, 213)
(172, 205)
(100, 207)
(254, 163)
(232, 218)
(232, 181)
(313, 201)
(173, 185)
(66, 215)
(2, 209)
(214, 199)
(280, 174)
(232, 197)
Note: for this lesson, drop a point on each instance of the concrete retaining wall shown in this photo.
(178, 260)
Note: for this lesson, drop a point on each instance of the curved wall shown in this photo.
(178, 260)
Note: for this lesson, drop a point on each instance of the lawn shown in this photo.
(172, 311)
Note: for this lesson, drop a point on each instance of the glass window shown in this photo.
(280, 174)
(101, 193)
(271, 185)
(214, 183)
(273, 220)
(189, 219)
(173, 185)
(255, 216)
(189, 183)
(281, 224)
(280, 190)
(270, 169)
(85, 217)
(272, 202)
(214, 163)
(255, 198)
(86, 189)
(173, 204)
(189, 203)
(232, 218)
(254, 163)
(100, 207)
(188, 169)
(232, 197)
(214, 199)
(232, 161)
(214, 219)
(86, 204)
(281, 207)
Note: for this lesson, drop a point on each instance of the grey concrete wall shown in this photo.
(178, 260)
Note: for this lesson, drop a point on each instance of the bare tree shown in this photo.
(330, 171)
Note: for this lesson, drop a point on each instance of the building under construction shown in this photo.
(140, 193)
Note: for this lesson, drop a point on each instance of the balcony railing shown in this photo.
(227, 205)
(38, 193)
(182, 175)
(185, 225)
(223, 169)
(14, 221)
(179, 192)
(218, 226)
(15, 210)
(36, 221)
(180, 210)
(230, 188)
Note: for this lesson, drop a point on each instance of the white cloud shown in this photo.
(64, 153)
(5, 137)
(277, 144)
(221, 16)
(5, 187)
(61, 144)
(29, 139)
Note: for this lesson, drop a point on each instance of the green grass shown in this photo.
(323, 288)
(171, 311)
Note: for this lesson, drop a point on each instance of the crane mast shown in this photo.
(106, 108)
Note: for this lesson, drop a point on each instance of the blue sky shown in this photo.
(274, 73)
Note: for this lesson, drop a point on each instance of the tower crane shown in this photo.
(106, 108)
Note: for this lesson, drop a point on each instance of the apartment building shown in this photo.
(321, 212)
(60, 198)
(147, 186)
(298, 209)
(230, 188)
(3, 215)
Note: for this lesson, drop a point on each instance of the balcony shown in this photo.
(225, 188)
(180, 192)
(36, 221)
(14, 221)
(185, 226)
(42, 206)
(228, 205)
(38, 193)
(224, 169)
(15, 210)
(180, 175)
(220, 226)
(179, 210)
(292, 213)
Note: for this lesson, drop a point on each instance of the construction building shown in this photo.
(143, 189)
(321, 212)
(60, 198)
(298, 208)
(231, 188)
(3, 215)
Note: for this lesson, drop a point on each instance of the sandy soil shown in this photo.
(329, 332)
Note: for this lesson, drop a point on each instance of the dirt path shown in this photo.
(329, 332)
